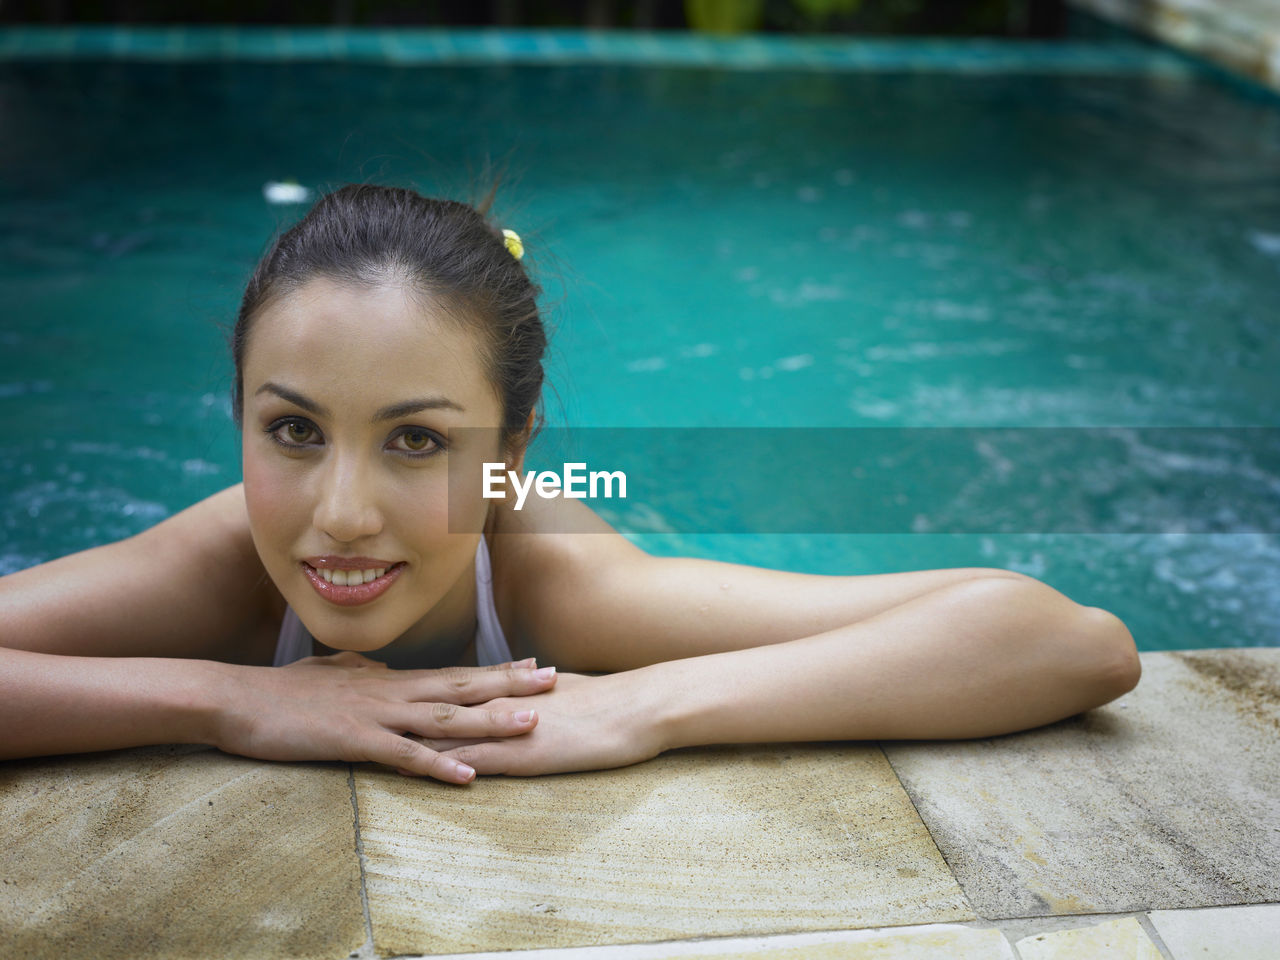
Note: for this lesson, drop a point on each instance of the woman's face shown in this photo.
(350, 395)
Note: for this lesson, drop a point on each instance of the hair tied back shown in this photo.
(513, 244)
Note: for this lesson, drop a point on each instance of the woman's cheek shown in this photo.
(269, 498)
(460, 506)
(416, 512)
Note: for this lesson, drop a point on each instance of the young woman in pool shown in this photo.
(368, 335)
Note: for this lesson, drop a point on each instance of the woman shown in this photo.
(369, 336)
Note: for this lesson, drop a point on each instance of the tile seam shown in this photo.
(1012, 941)
(1144, 921)
(1137, 913)
(367, 950)
(932, 839)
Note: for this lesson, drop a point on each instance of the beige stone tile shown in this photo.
(177, 852)
(1114, 940)
(697, 843)
(1221, 933)
(940, 941)
(1021, 928)
(1169, 797)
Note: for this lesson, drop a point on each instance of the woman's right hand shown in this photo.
(349, 707)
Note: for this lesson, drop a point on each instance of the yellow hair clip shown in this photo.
(514, 246)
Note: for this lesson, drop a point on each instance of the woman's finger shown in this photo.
(467, 685)
(448, 720)
(415, 759)
(492, 756)
(440, 744)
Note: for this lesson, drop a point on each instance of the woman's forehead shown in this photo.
(375, 345)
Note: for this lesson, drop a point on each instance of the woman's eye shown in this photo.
(293, 433)
(417, 442)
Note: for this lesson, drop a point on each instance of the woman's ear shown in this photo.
(519, 445)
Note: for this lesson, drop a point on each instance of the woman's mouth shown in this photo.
(350, 588)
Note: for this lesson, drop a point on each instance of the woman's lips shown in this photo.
(352, 595)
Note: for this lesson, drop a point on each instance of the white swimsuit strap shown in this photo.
(491, 642)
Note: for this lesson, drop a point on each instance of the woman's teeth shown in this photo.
(349, 578)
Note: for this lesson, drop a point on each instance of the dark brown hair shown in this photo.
(444, 250)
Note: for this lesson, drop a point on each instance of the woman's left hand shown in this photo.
(584, 723)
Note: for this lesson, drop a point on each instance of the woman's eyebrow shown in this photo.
(398, 410)
(393, 412)
(297, 399)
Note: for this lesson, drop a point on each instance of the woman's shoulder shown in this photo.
(550, 538)
(190, 586)
(547, 559)
(215, 532)
(211, 543)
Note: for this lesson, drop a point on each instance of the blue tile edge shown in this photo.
(497, 46)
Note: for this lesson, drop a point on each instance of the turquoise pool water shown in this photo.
(768, 248)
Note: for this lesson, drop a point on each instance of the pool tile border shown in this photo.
(428, 47)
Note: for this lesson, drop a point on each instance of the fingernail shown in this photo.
(463, 771)
(529, 663)
(524, 716)
(546, 673)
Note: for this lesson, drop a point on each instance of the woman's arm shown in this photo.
(979, 658)
(719, 653)
(51, 704)
(595, 602)
(343, 707)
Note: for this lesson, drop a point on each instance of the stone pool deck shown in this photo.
(1148, 828)
(1241, 35)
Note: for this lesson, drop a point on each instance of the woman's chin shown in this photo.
(336, 637)
(339, 644)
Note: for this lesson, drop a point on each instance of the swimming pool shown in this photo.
(933, 240)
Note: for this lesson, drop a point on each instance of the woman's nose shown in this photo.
(347, 508)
